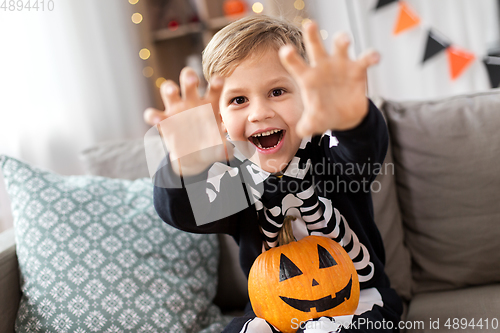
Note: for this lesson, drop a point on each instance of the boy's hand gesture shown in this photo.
(333, 87)
(193, 143)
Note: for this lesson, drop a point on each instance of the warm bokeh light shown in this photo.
(159, 81)
(133, 2)
(257, 7)
(144, 54)
(137, 18)
(305, 21)
(299, 4)
(298, 19)
(148, 71)
(324, 34)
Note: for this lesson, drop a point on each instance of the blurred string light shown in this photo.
(299, 4)
(324, 34)
(257, 7)
(148, 71)
(137, 18)
(144, 54)
(299, 19)
(159, 81)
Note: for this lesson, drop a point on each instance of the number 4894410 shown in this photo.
(27, 5)
(464, 323)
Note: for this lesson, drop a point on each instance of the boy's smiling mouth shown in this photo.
(267, 140)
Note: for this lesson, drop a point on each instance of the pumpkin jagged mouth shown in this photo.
(322, 304)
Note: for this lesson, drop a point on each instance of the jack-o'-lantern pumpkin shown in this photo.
(303, 280)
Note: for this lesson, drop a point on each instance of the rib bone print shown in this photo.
(315, 215)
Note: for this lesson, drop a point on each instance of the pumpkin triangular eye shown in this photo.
(287, 268)
(325, 258)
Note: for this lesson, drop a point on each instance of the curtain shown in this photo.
(69, 78)
(472, 25)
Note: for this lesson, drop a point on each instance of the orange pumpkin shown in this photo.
(303, 280)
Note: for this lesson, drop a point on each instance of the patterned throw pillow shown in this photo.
(95, 257)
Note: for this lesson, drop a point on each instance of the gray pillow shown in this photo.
(95, 257)
(447, 157)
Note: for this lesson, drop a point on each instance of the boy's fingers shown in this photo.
(305, 126)
(153, 116)
(341, 43)
(169, 92)
(368, 58)
(292, 61)
(214, 91)
(314, 45)
(189, 84)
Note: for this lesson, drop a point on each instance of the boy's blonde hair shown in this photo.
(235, 42)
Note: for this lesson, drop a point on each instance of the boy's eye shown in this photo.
(238, 100)
(277, 92)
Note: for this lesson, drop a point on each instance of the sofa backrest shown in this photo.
(447, 153)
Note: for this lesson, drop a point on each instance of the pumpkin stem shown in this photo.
(285, 234)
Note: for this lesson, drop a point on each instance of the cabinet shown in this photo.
(169, 48)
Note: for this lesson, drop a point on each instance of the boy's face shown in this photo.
(261, 105)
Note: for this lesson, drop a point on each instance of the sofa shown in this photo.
(435, 203)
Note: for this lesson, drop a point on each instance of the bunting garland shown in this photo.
(407, 18)
(493, 67)
(435, 44)
(382, 3)
(458, 59)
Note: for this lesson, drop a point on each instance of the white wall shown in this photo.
(470, 24)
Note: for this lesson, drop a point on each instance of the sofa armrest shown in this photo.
(10, 292)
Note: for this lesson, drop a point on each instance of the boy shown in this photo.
(303, 138)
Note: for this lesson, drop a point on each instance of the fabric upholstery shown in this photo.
(480, 304)
(94, 256)
(110, 158)
(447, 154)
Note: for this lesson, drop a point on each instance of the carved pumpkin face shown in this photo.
(303, 280)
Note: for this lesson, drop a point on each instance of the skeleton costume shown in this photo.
(326, 187)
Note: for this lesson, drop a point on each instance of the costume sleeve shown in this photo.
(358, 153)
(186, 205)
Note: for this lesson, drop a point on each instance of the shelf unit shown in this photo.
(170, 48)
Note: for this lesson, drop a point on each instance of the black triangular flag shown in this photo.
(493, 68)
(494, 52)
(382, 3)
(435, 44)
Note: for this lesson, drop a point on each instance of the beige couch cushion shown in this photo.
(473, 303)
(447, 157)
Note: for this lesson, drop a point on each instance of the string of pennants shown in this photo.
(458, 59)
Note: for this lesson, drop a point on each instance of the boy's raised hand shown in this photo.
(190, 129)
(333, 87)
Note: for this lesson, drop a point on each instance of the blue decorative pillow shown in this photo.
(95, 257)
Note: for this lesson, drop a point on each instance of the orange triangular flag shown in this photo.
(406, 19)
(458, 60)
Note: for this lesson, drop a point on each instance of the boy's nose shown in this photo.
(260, 111)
